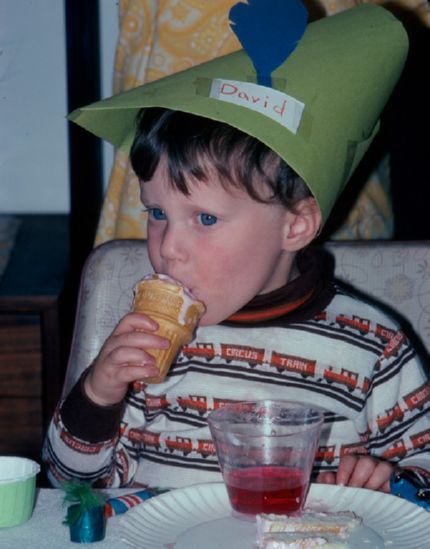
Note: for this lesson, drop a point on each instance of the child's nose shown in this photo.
(173, 245)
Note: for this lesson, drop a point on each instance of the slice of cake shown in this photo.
(335, 524)
(307, 530)
(295, 540)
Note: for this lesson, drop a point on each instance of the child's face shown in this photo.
(223, 245)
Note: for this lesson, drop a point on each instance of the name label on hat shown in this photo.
(278, 106)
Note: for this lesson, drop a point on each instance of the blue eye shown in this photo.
(207, 219)
(157, 214)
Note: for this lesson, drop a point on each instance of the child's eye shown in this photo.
(157, 214)
(207, 219)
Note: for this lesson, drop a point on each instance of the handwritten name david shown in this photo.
(278, 106)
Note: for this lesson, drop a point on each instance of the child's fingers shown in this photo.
(380, 477)
(364, 472)
(109, 386)
(386, 487)
(135, 321)
(123, 365)
(128, 373)
(345, 470)
(327, 477)
(125, 356)
(117, 347)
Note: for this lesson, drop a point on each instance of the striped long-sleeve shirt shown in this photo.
(309, 342)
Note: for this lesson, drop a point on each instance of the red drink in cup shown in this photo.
(266, 450)
(254, 490)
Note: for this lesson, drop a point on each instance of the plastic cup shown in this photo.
(17, 490)
(266, 450)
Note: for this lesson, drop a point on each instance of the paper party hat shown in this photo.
(320, 112)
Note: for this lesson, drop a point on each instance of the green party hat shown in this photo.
(320, 113)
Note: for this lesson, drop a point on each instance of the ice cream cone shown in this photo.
(176, 311)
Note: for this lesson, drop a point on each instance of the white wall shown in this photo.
(33, 131)
(34, 174)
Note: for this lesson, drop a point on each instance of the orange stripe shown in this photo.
(270, 313)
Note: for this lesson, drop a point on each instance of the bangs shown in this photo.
(191, 143)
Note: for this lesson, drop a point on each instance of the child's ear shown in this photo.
(302, 225)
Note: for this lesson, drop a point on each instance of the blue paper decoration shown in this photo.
(269, 31)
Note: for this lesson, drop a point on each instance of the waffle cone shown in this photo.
(175, 310)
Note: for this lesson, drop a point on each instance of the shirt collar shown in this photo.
(307, 293)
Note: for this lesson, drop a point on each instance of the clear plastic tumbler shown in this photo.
(266, 450)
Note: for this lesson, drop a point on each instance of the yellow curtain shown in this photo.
(160, 37)
(157, 38)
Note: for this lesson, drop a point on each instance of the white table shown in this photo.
(45, 529)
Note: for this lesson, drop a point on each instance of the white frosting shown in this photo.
(188, 298)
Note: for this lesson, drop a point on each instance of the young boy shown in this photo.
(230, 219)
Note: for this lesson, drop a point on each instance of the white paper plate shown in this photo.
(182, 518)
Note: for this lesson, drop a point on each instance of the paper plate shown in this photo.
(181, 518)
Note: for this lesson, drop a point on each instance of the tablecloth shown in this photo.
(45, 529)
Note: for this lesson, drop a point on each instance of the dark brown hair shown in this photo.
(187, 141)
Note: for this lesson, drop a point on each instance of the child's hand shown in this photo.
(124, 359)
(360, 472)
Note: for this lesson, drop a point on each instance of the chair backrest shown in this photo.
(395, 274)
(105, 295)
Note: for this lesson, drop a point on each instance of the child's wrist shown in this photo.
(87, 421)
(95, 398)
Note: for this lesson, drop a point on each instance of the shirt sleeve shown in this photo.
(398, 405)
(88, 442)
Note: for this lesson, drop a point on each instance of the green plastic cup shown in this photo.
(17, 490)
